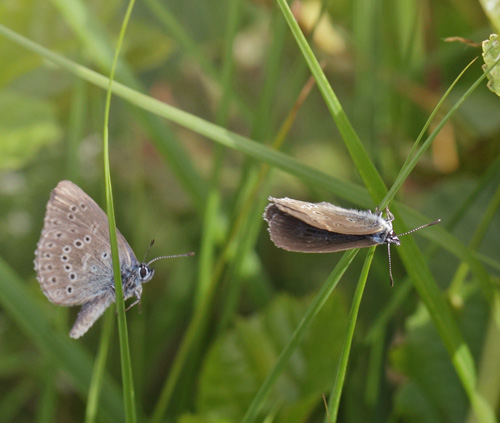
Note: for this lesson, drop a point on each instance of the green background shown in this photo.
(196, 187)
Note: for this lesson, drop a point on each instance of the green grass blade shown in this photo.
(359, 155)
(343, 189)
(126, 362)
(334, 400)
(413, 159)
(309, 316)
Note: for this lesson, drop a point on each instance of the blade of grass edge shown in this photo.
(126, 363)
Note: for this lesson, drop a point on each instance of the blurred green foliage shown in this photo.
(235, 63)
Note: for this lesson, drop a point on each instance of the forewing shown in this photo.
(332, 218)
(73, 256)
(294, 234)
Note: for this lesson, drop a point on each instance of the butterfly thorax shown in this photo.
(384, 237)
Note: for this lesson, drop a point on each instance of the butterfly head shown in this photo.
(145, 272)
(392, 238)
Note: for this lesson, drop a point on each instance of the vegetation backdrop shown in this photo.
(216, 106)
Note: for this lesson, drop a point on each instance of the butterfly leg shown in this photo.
(390, 216)
(137, 301)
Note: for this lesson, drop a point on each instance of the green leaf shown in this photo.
(240, 360)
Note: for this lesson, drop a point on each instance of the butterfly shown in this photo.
(73, 257)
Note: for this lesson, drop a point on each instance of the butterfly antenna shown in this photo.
(390, 264)
(406, 233)
(421, 227)
(174, 256)
(149, 248)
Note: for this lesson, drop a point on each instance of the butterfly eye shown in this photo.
(144, 272)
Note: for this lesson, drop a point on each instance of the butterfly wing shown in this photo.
(73, 257)
(332, 218)
(90, 312)
(294, 234)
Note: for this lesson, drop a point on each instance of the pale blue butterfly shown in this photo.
(73, 257)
